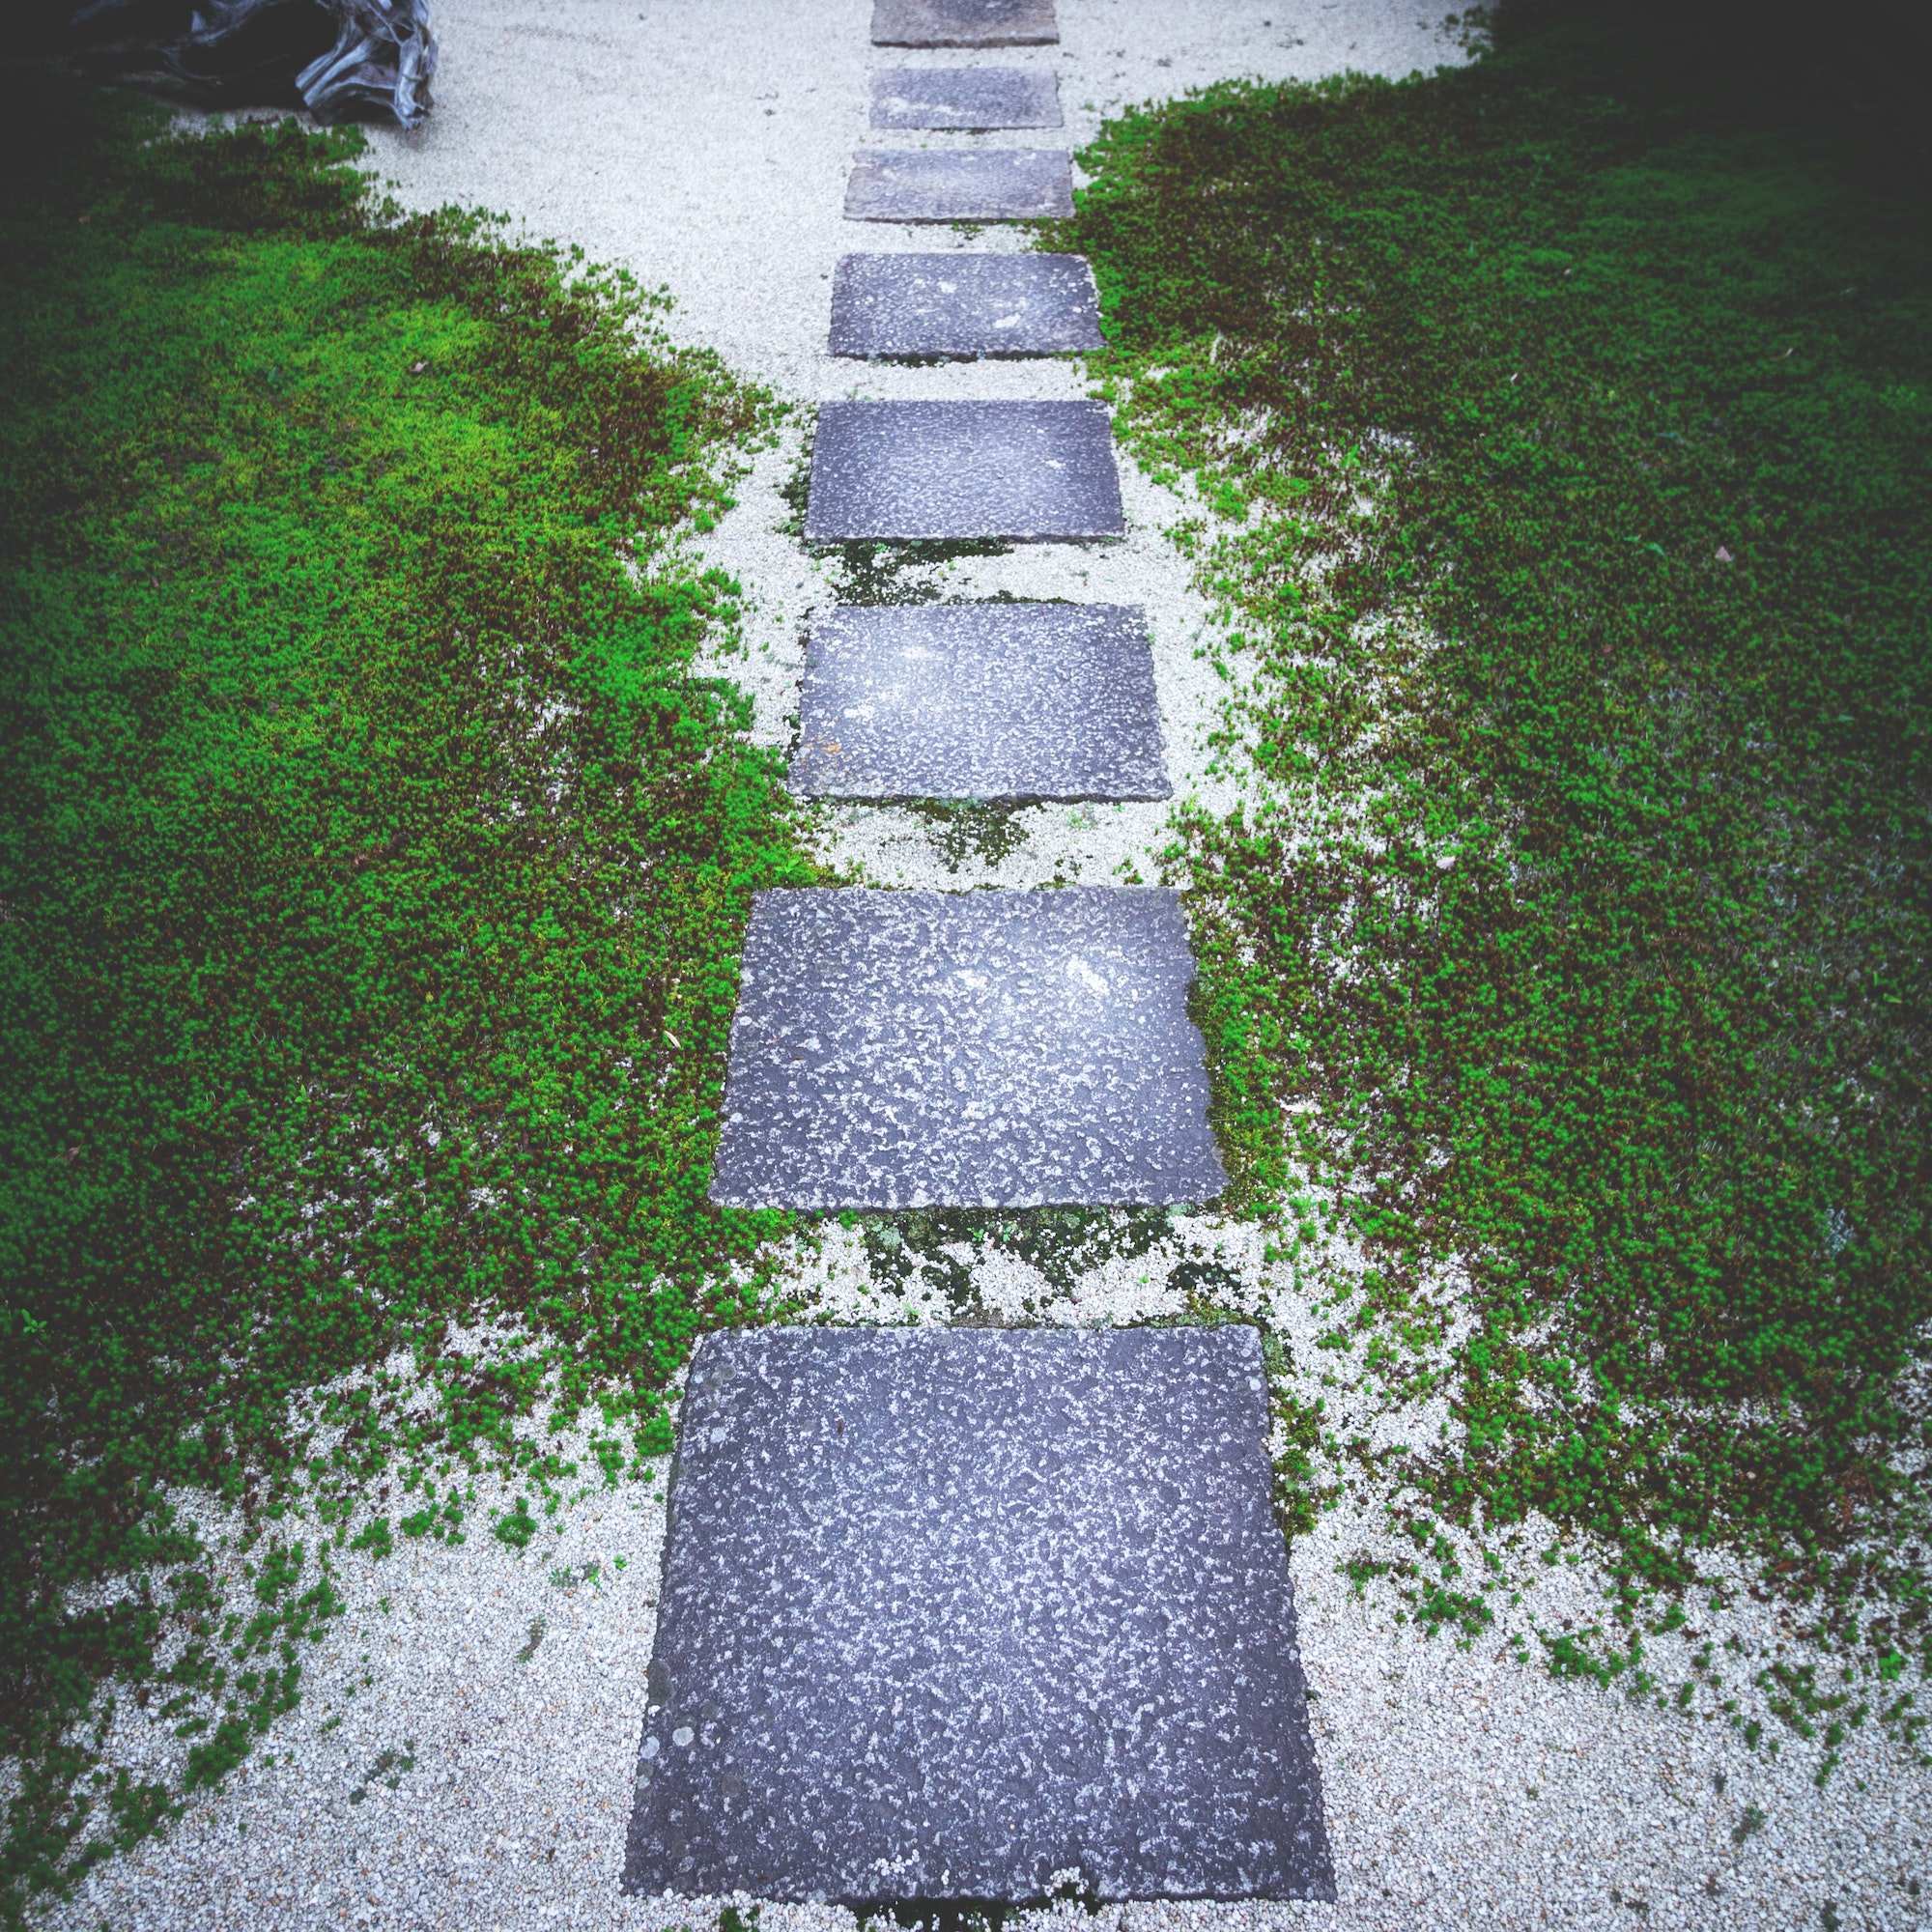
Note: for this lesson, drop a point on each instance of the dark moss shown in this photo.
(1566, 424)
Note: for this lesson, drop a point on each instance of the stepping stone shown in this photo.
(914, 472)
(963, 23)
(947, 1614)
(913, 1049)
(963, 305)
(979, 185)
(980, 702)
(965, 97)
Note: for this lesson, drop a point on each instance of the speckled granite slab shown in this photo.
(963, 305)
(960, 185)
(980, 701)
(908, 1049)
(947, 1613)
(1030, 472)
(965, 97)
(963, 23)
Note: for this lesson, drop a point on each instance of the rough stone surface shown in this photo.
(965, 1049)
(980, 702)
(886, 306)
(965, 97)
(963, 23)
(953, 1614)
(913, 472)
(960, 185)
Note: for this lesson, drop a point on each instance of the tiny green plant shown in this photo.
(1561, 431)
(518, 1525)
(388, 1768)
(373, 1537)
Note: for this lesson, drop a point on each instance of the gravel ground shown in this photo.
(464, 1754)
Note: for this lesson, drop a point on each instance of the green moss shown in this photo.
(372, 877)
(911, 1248)
(1566, 428)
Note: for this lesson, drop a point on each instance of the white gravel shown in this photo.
(704, 146)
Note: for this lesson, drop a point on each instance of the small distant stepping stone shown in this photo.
(963, 305)
(980, 184)
(965, 97)
(949, 1611)
(963, 23)
(980, 702)
(911, 1049)
(913, 473)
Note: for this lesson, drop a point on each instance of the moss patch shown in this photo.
(372, 878)
(1564, 430)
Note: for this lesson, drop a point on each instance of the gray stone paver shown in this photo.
(964, 23)
(886, 306)
(953, 185)
(965, 97)
(947, 1614)
(1029, 472)
(907, 1049)
(980, 701)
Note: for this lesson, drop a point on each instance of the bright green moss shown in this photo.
(372, 875)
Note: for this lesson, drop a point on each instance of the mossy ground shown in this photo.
(373, 872)
(1563, 432)
(372, 878)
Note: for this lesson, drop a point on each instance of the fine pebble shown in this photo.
(464, 1753)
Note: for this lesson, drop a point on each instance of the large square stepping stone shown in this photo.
(960, 185)
(917, 472)
(980, 702)
(963, 305)
(913, 1049)
(948, 1615)
(965, 97)
(963, 23)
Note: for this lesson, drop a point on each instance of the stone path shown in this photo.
(908, 1049)
(954, 307)
(974, 99)
(964, 23)
(1005, 185)
(937, 473)
(967, 1616)
(893, 1050)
